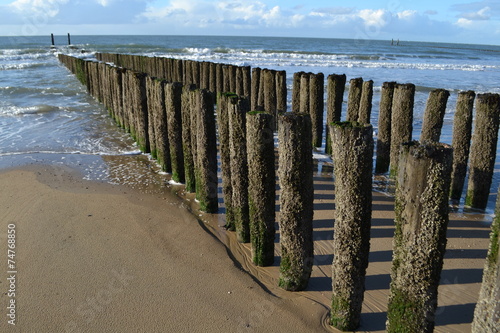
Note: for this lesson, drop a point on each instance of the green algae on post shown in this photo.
(295, 173)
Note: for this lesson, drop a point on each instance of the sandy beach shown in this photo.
(96, 257)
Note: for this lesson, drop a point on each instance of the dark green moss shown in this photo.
(257, 112)
(402, 313)
(494, 246)
(338, 318)
(347, 124)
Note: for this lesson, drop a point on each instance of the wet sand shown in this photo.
(95, 257)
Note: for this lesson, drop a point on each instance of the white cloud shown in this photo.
(376, 18)
(481, 15)
(48, 7)
(464, 23)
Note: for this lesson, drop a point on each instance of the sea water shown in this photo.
(46, 114)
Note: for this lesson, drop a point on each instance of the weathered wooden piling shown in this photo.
(384, 128)
(352, 146)
(487, 312)
(239, 106)
(354, 98)
(139, 109)
(434, 115)
(305, 94)
(254, 101)
(421, 207)
(335, 97)
(173, 105)
(316, 107)
(246, 81)
(365, 104)
(152, 109)
(269, 77)
(220, 79)
(226, 73)
(206, 154)
(223, 103)
(401, 121)
(261, 186)
(483, 150)
(295, 173)
(156, 103)
(297, 77)
(281, 92)
(188, 106)
(462, 133)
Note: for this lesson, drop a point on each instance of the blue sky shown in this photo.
(437, 20)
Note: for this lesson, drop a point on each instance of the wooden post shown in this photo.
(281, 92)
(140, 109)
(173, 100)
(487, 312)
(297, 77)
(316, 107)
(462, 133)
(335, 97)
(223, 103)
(206, 164)
(365, 105)
(238, 108)
(269, 77)
(305, 94)
(434, 115)
(261, 186)
(295, 174)
(254, 105)
(401, 121)
(483, 150)
(352, 146)
(354, 98)
(421, 207)
(384, 128)
(188, 106)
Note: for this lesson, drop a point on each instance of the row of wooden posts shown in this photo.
(176, 123)
(267, 90)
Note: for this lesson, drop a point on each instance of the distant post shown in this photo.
(401, 121)
(462, 133)
(483, 150)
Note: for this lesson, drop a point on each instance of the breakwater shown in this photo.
(123, 88)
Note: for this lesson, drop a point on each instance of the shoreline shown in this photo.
(460, 281)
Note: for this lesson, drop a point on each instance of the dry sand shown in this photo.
(95, 257)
